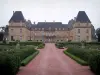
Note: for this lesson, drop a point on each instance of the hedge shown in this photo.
(78, 60)
(10, 60)
(92, 57)
(41, 46)
(79, 52)
(22, 43)
(94, 62)
(9, 64)
(29, 58)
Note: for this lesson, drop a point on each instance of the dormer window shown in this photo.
(55, 28)
(49, 28)
(39, 28)
(86, 24)
(35, 28)
(42, 28)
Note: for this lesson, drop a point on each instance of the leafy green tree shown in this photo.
(98, 34)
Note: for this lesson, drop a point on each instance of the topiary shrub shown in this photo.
(41, 46)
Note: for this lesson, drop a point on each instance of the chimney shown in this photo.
(34, 22)
(13, 12)
(53, 20)
(74, 18)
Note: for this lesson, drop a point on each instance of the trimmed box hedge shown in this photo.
(29, 58)
(92, 57)
(94, 62)
(10, 60)
(78, 60)
(9, 64)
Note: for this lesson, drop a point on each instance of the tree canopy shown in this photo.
(98, 34)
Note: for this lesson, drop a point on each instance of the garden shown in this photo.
(84, 53)
(13, 55)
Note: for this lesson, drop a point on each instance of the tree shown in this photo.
(3, 33)
(1, 36)
(98, 34)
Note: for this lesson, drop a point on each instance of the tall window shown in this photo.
(20, 30)
(87, 31)
(12, 38)
(78, 30)
(20, 37)
(78, 38)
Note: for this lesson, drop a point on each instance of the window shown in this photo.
(63, 29)
(57, 40)
(55, 28)
(20, 37)
(42, 28)
(59, 28)
(87, 31)
(78, 30)
(35, 28)
(20, 30)
(12, 38)
(35, 34)
(39, 28)
(49, 28)
(78, 38)
(12, 30)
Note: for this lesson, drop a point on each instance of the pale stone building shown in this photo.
(77, 29)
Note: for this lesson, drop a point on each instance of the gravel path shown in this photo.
(52, 61)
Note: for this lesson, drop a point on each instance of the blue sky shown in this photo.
(49, 10)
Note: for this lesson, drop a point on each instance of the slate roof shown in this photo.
(17, 17)
(52, 25)
(82, 17)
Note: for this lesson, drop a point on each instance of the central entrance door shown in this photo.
(49, 39)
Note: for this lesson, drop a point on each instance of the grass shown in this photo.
(29, 58)
(77, 59)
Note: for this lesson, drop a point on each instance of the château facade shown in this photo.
(77, 29)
